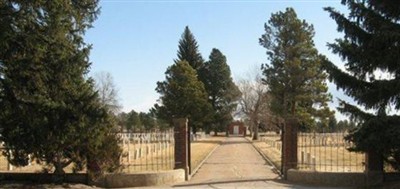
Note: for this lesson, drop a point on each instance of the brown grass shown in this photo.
(33, 168)
(30, 168)
(272, 153)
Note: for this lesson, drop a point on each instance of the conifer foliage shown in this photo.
(49, 109)
(223, 94)
(294, 76)
(371, 51)
(188, 50)
(183, 95)
(212, 82)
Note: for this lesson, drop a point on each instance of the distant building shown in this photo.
(237, 128)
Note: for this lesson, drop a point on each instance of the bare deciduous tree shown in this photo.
(107, 91)
(254, 103)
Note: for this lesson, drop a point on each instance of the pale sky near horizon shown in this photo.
(136, 41)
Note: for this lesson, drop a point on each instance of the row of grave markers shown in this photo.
(143, 149)
(148, 151)
(275, 144)
(305, 158)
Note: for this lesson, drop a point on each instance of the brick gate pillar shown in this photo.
(289, 148)
(181, 145)
(374, 168)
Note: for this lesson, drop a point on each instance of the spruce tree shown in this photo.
(294, 76)
(223, 94)
(371, 51)
(183, 95)
(188, 50)
(49, 109)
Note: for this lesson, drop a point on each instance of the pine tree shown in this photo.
(183, 95)
(49, 109)
(294, 75)
(223, 94)
(189, 50)
(370, 48)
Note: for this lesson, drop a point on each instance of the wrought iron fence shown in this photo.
(142, 151)
(324, 152)
(147, 151)
(328, 152)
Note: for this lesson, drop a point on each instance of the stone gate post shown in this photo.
(289, 148)
(181, 145)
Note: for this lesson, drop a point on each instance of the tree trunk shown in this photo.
(60, 164)
(255, 136)
(59, 168)
(251, 130)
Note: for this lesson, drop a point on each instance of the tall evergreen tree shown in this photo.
(188, 50)
(370, 48)
(49, 109)
(222, 92)
(183, 95)
(294, 75)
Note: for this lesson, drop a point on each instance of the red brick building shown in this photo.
(237, 128)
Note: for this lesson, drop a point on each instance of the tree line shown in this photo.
(140, 122)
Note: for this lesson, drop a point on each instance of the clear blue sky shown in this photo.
(136, 41)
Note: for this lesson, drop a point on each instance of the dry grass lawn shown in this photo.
(272, 153)
(201, 148)
(33, 168)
